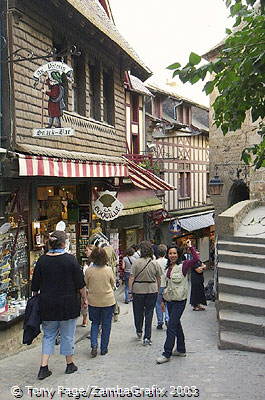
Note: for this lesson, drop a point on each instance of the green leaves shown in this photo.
(174, 66)
(194, 59)
(237, 75)
(209, 87)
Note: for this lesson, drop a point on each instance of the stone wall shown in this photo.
(11, 340)
(227, 150)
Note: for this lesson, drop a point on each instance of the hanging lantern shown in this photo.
(215, 185)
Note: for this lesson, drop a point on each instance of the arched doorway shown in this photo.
(239, 191)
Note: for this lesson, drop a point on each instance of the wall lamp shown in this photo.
(236, 172)
(215, 185)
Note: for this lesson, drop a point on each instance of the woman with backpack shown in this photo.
(175, 294)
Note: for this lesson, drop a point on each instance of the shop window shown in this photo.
(183, 114)
(108, 97)
(134, 107)
(94, 91)
(79, 85)
(184, 184)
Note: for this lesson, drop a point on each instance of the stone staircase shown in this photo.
(241, 293)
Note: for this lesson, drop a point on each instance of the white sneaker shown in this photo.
(162, 360)
(178, 354)
(147, 342)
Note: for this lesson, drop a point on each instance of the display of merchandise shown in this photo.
(13, 273)
(83, 241)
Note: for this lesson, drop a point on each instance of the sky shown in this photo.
(166, 31)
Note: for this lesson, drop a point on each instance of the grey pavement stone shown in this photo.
(218, 374)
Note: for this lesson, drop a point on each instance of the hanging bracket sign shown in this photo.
(107, 206)
(53, 75)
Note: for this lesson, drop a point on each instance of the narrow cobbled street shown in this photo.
(225, 375)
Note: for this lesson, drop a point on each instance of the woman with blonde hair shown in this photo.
(100, 281)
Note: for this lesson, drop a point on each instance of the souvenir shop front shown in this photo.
(33, 204)
(31, 208)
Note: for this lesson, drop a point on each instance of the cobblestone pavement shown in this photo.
(224, 375)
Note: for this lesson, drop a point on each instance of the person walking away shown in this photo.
(137, 253)
(127, 267)
(84, 310)
(175, 294)
(161, 308)
(100, 281)
(59, 279)
(144, 284)
(197, 294)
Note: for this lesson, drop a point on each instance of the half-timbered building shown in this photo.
(177, 132)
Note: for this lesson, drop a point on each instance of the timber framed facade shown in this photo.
(98, 74)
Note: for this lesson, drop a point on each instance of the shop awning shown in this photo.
(44, 161)
(195, 222)
(66, 164)
(145, 179)
(136, 201)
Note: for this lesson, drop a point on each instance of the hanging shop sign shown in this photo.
(107, 206)
(53, 75)
(174, 227)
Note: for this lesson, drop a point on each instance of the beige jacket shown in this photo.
(100, 282)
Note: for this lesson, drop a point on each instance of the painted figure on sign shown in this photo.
(56, 103)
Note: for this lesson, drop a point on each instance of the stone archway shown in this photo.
(239, 191)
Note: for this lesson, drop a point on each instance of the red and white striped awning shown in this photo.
(38, 165)
(67, 168)
(145, 179)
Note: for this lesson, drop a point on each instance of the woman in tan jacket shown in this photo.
(100, 281)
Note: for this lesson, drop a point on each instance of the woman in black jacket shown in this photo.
(59, 279)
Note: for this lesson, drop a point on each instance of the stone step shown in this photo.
(241, 286)
(240, 271)
(238, 341)
(243, 239)
(242, 304)
(233, 257)
(241, 322)
(250, 248)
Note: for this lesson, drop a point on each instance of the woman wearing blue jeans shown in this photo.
(175, 294)
(59, 279)
(127, 267)
(161, 309)
(100, 281)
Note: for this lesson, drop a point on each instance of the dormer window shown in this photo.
(183, 114)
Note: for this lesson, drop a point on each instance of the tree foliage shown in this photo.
(238, 74)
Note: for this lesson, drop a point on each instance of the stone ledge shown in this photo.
(230, 219)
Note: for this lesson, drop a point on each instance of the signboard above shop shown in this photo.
(107, 207)
(44, 132)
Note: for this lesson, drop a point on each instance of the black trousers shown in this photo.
(143, 309)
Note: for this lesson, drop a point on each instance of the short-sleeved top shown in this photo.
(100, 282)
(58, 278)
(146, 281)
(162, 261)
(128, 261)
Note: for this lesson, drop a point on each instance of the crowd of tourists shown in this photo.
(155, 279)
